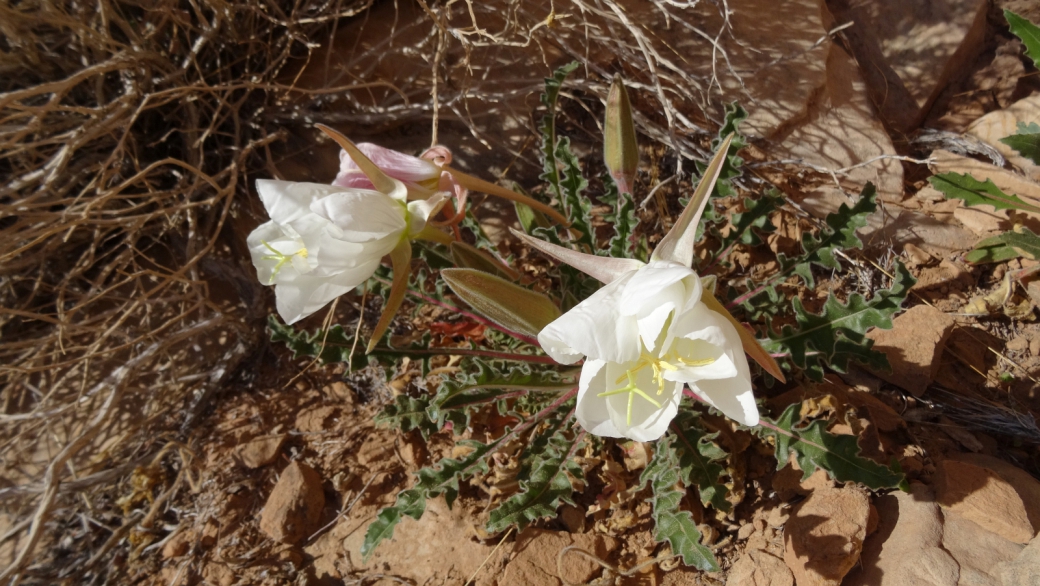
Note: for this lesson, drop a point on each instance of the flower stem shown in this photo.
(467, 352)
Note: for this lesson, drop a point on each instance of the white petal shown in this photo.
(652, 286)
(591, 409)
(300, 297)
(272, 234)
(732, 396)
(286, 201)
(722, 365)
(362, 215)
(651, 325)
(701, 323)
(335, 256)
(593, 328)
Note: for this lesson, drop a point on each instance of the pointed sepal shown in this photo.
(511, 306)
(401, 258)
(751, 346)
(476, 184)
(380, 180)
(677, 245)
(602, 268)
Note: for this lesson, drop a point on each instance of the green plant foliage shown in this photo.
(670, 523)
(815, 448)
(731, 168)
(1028, 32)
(1026, 141)
(747, 227)
(698, 457)
(561, 168)
(456, 400)
(838, 333)
(335, 347)
(1019, 242)
(975, 192)
(838, 234)
(440, 479)
(545, 486)
(624, 220)
(408, 413)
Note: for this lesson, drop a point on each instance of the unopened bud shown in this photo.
(620, 152)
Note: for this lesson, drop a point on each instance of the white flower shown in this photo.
(324, 240)
(643, 336)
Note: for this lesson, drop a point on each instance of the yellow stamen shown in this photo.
(281, 257)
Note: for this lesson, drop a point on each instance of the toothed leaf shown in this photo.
(1028, 32)
(1026, 141)
(672, 524)
(816, 448)
(975, 192)
(838, 333)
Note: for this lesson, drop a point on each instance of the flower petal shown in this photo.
(419, 211)
(732, 396)
(363, 215)
(591, 409)
(287, 201)
(393, 163)
(594, 328)
(305, 294)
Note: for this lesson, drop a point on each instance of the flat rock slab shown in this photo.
(536, 552)
(758, 568)
(1024, 570)
(913, 347)
(824, 536)
(293, 511)
(978, 552)
(907, 548)
(992, 493)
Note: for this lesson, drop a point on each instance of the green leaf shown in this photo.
(838, 333)
(335, 347)
(551, 170)
(546, 486)
(1019, 242)
(1026, 141)
(698, 454)
(511, 306)
(408, 413)
(975, 192)
(442, 478)
(815, 448)
(670, 523)
(1028, 32)
(624, 220)
(456, 400)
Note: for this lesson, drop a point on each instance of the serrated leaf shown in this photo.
(407, 413)
(546, 487)
(456, 399)
(551, 170)
(1028, 32)
(442, 478)
(624, 220)
(671, 524)
(747, 226)
(334, 347)
(511, 306)
(1019, 242)
(975, 192)
(815, 448)
(697, 455)
(839, 234)
(1026, 141)
(838, 333)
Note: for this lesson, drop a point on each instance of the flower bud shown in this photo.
(620, 152)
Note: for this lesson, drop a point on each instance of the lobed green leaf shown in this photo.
(975, 192)
(1026, 141)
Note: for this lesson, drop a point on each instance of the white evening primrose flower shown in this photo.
(643, 336)
(652, 329)
(324, 240)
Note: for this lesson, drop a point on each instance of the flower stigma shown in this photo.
(281, 257)
(659, 366)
